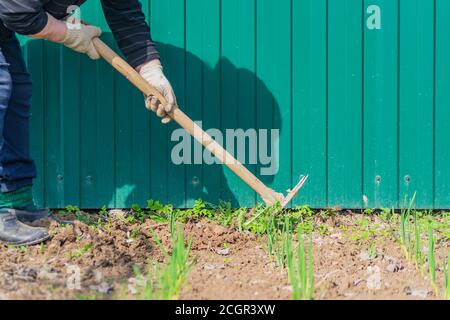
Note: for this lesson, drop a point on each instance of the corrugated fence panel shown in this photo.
(380, 105)
(309, 112)
(171, 16)
(442, 96)
(345, 26)
(238, 83)
(416, 100)
(357, 90)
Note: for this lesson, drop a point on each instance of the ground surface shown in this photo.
(84, 262)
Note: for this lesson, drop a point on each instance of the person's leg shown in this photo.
(16, 168)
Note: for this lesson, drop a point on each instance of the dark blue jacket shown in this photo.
(124, 17)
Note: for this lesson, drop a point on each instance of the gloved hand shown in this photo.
(80, 39)
(153, 72)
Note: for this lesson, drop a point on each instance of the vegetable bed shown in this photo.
(216, 252)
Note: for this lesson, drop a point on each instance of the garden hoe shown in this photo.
(269, 196)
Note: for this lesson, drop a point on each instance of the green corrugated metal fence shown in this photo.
(363, 107)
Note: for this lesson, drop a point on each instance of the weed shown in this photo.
(305, 212)
(201, 209)
(138, 212)
(158, 212)
(323, 230)
(92, 296)
(240, 218)
(226, 214)
(88, 219)
(103, 212)
(72, 209)
(306, 227)
(135, 232)
(386, 215)
(372, 251)
(363, 230)
(79, 252)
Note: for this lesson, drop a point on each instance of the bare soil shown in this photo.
(83, 262)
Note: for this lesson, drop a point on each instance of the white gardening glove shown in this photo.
(153, 73)
(79, 38)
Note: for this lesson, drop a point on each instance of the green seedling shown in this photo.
(431, 256)
(447, 278)
(417, 244)
(173, 274)
(172, 220)
(271, 237)
(405, 232)
(300, 268)
(275, 241)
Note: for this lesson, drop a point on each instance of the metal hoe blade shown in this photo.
(292, 193)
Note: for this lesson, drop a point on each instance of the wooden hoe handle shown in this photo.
(268, 195)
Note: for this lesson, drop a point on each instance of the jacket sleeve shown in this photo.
(23, 16)
(132, 33)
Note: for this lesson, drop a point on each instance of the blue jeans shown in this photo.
(17, 169)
